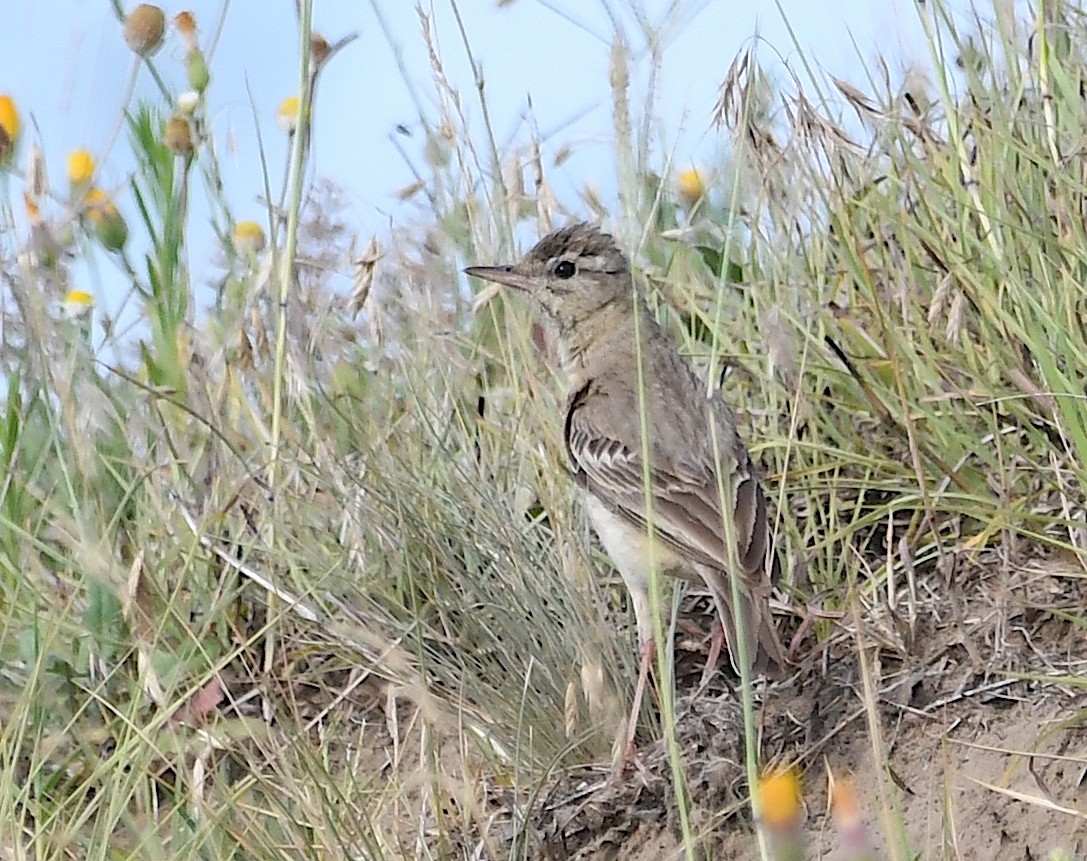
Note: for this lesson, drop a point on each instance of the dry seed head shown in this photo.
(619, 79)
(955, 317)
(33, 213)
(319, 49)
(436, 151)
(178, 135)
(863, 105)
(144, 29)
(364, 276)
(569, 711)
(779, 347)
(36, 178)
(185, 22)
(409, 191)
(592, 686)
(590, 196)
(186, 26)
(939, 300)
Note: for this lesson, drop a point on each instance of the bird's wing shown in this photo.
(686, 509)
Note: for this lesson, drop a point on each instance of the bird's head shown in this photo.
(571, 276)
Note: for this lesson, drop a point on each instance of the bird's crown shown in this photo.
(584, 245)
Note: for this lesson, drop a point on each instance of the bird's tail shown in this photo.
(770, 660)
(764, 651)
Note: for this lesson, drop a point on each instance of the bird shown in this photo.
(620, 366)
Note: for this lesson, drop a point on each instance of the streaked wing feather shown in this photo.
(686, 513)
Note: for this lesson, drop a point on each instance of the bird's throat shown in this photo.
(597, 340)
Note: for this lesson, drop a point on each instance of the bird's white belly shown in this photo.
(630, 549)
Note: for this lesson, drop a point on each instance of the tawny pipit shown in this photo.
(580, 285)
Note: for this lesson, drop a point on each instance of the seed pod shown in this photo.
(178, 135)
(144, 29)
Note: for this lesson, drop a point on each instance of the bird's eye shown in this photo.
(565, 269)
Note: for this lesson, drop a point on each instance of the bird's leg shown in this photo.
(717, 641)
(639, 598)
(647, 650)
(631, 757)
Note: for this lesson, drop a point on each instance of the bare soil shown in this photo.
(958, 714)
(958, 711)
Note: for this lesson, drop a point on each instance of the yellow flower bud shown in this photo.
(144, 29)
(692, 187)
(248, 237)
(109, 225)
(287, 114)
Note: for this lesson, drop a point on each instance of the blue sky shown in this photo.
(64, 63)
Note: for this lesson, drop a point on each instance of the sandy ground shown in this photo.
(963, 732)
(958, 713)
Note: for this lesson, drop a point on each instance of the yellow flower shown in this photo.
(9, 126)
(9, 116)
(779, 797)
(80, 168)
(692, 186)
(248, 237)
(287, 114)
(78, 303)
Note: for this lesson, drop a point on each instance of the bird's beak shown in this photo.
(508, 276)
